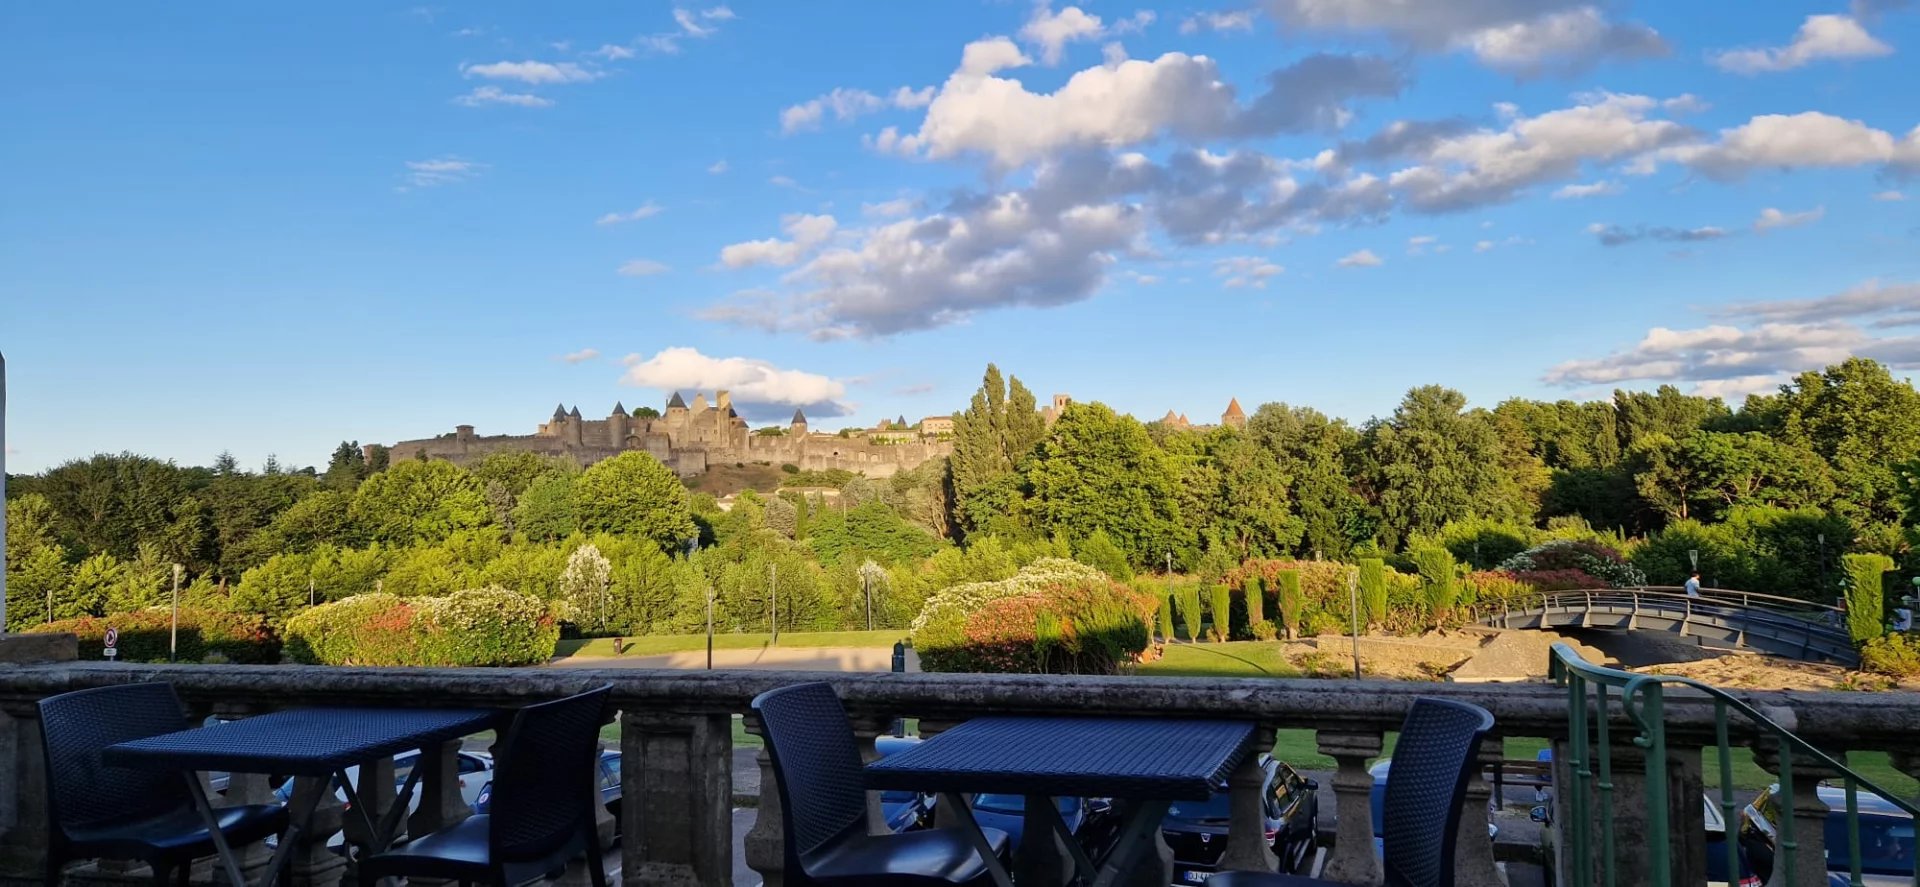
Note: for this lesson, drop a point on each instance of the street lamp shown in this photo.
(173, 639)
(1353, 596)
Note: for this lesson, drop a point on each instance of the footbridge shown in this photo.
(1763, 623)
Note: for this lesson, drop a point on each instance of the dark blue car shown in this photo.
(1196, 831)
(1086, 818)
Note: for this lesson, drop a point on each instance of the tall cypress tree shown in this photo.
(990, 438)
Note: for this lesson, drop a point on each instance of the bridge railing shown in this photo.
(1610, 711)
(1774, 624)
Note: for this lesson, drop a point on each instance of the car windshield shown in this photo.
(1017, 803)
(1214, 809)
(1886, 845)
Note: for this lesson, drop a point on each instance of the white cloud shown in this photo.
(533, 72)
(1125, 103)
(443, 170)
(644, 211)
(847, 104)
(642, 268)
(783, 182)
(1487, 246)
(700, 24)
(1362, 259)
(718, 167)
(1052, 31)
(1886, 304)
(1798, 141)
(805, 232)
(1483, 167)
(1615, 235)
(494, 95)
(1560, 42)
(760, 389)
(1483, 246)
(1771, 218)
(1595, 189)
(1246, 271)
(1521, 37)
(581, 356)
(1819, 37)
(1890, 197)
(613, 52)
(1422, 244)
(688, 23)
(1219, 20)
(890, 209)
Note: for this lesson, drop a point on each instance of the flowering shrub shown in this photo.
(1892, 654)
(146, 634)
(1054, 616)
(481, 627)
(1586, 556)
(1558, 580)
(1485, 586)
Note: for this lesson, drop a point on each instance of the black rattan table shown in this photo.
(1148, 762)
(309, 744)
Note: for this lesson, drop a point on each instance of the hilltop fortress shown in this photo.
(688, 439)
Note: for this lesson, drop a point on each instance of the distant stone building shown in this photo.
(1052, 413)
(936, 426)
(688, 439)
(1234, 417)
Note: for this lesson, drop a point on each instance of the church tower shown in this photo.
(798, 427)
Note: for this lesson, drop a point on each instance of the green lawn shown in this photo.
(647, 645)
(1235, 659)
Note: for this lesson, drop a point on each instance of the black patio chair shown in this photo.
(1438, 750)
(823, 806)
(102, 812)
(546, 794)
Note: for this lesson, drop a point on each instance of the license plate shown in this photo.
(1198, 877)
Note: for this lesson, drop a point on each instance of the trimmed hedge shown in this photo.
(1055, 616)
(1866, 594)
(144, 635)
(481, 627)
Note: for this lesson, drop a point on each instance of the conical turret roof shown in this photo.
(559, 411)
(619, 409)
(799, 418)
(1233, 409)
(574, 413)
(675, 401)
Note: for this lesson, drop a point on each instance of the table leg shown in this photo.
(299, 819)
(1049, 812)
(402, 799)
(220, 847)
(958, 803)
(1143, 819)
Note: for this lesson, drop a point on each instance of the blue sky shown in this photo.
(266, 229)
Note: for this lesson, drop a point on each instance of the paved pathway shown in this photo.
(779, 658)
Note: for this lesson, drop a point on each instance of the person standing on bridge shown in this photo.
(1693, 584)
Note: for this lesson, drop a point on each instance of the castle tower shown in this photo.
(699, 403)
(723, 400)
(575, 426)
(798, 427)
(556, 427)
(619, 425)
(1234, 417)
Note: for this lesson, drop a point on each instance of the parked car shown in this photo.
(474, 767)
(1716, 830)
(904, 810)
(606, 776)
(1378, 801)
(1197, 831)
(1887, 844)
(1089, 819)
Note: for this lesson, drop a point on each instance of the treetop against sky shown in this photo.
(265, 229)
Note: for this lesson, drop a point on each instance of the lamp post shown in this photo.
(173, 637)
(866, 588)
(1822, 540)
(1353, 596)
(773, 600)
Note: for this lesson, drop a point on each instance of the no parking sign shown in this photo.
(113, 641)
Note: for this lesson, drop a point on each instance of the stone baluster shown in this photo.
(1809, 818)
(765, 848)
(1352, 860)
(1473, 850)
(314, 864)
(24, 819)
(441, 804)
(1629, 813)
(676, 797)
(1248, 848)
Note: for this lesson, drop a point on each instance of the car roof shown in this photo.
(1835, 797)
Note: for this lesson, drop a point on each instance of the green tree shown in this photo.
(1099, 552)
(1437, 581)
(517, 470)
(346, 468)
(1314, 452)
(1098, 470)
(1733, 470)
(871, 530)
(1190, 617)
(419, 502)
(108, 504)
(1250, 515)
(1292, 602)
(1433, 462)
(1256, 596)
(634, 494)
(1220, 607)
(1664, 411)
(1373, 590)
(1866, 602)
(546, 510)
(584, 585)
(1863, 422)
(996, 432)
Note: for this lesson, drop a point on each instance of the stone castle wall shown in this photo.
(687, 440)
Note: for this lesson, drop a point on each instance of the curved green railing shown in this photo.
(1642, 699)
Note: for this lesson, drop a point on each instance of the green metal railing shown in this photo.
(1592, 694)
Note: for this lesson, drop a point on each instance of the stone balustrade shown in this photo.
(676, 740)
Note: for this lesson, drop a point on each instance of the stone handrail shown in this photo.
(676, 739)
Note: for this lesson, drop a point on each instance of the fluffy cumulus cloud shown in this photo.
(761, 391)
(1819, 37)
(1127, 102)
(1771, 218)
(1615, 235)
(847, 104)
(1520, 37)
(1360, 259)
(1809, 139)
(1755, 345)
(1050, 31)
(1219, 20)
(1246, 271)
(536, 73)
(482, 96)
(804, 233)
